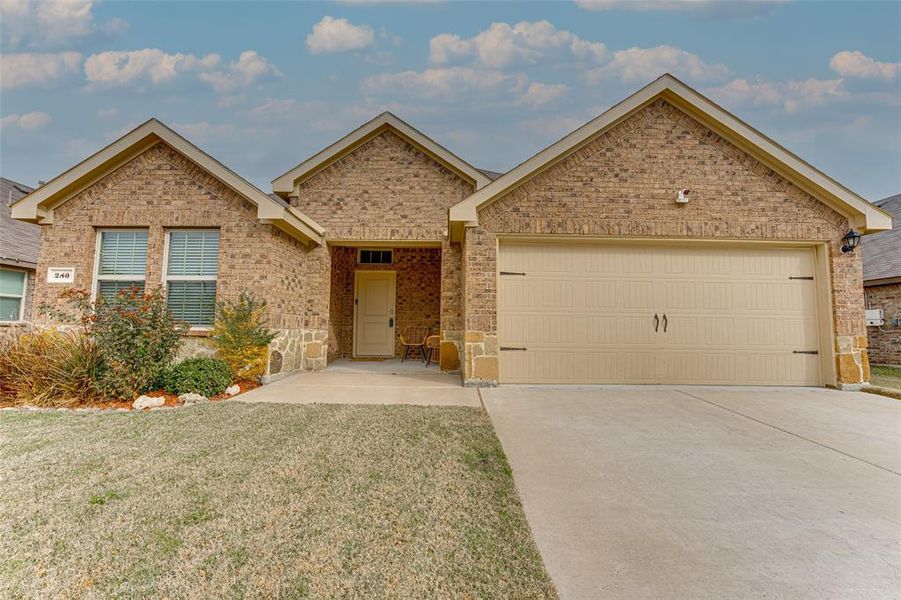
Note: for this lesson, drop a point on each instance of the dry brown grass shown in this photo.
(256, 500)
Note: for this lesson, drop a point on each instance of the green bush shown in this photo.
(240, 336)
(206, 376)
(136, 335)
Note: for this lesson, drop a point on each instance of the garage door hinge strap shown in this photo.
(805, 352)
(512, 273)
(512, 348)
(806, 278)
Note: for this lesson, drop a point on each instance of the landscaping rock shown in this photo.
(233, 390)
(148, 402)
(192, 398)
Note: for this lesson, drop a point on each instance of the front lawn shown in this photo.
(889, 377)
(244, 500)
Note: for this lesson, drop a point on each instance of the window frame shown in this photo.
(390, 252)
(20, 298)
(98, 242)
(165, 269)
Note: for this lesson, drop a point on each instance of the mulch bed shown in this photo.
(172, 400)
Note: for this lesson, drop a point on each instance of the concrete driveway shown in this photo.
(650, 492)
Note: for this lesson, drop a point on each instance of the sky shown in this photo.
(262, 86)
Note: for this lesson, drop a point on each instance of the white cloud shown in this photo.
(45, 23)
(788, 95)
(645, 64)
(859, 65)
(27, 122)
(444, 83)
(117, 68)
(108, 113)
(551, 127)
(713, 8)
(503, 44)
(541, 94)
(249, 68)
(23, 69)
(339, 35)
(121, 68)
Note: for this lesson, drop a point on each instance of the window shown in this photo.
(376, 257)
(12, 294)
(192, 266)
(121, 262)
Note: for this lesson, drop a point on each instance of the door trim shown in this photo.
(392, 310)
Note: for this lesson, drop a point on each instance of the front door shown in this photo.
(374, 313)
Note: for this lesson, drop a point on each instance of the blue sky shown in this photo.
(262, 86)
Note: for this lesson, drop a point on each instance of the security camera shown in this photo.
(683, 196)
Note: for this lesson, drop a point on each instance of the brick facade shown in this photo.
(161, 189)
(623, 183)
(885, 342)
(387, 189)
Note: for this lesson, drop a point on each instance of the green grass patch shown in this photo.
(887, 377)
(243, 500)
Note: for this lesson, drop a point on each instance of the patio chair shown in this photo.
(413, 339)
(432, 346)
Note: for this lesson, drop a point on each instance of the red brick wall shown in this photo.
(885, 341)
(624, 183)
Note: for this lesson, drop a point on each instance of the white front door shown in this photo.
(374, 313)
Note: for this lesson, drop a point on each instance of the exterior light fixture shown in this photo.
(851, 240)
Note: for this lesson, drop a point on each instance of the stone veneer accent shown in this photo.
(623, 183)
(885, 341)
(162, 189)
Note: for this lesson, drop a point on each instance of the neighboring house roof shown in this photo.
(19, 242)
(38, 206)
(284, 184)
(882, 251)
(861, 213)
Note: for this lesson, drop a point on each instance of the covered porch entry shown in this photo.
(381, 296)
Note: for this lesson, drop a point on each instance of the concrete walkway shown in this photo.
(652, 492)
(385, 382)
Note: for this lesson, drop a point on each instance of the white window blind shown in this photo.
(12, 293)
(191, 270)
(122, 262)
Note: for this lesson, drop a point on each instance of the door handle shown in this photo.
(391, 322)
(656, 322)
(664, 322)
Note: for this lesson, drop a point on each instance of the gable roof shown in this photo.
(284, 184)
(882, 252)
(37, 207)
(861, 213)
(19, 242)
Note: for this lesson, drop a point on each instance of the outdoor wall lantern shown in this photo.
(851, 239)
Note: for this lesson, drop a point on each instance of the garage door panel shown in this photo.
(585, 314)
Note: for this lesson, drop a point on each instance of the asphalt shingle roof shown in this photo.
(19, 242)
(882, 251)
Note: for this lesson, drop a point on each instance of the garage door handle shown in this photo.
(512, 348)
(664, 322)
(656, 322)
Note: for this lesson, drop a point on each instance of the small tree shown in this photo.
(241, 337)
(136, 335)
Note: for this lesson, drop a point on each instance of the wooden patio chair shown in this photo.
(413, 339)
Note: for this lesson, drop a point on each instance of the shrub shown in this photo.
(50, 368)
(204, 375)
(137, 337)
(240, 336)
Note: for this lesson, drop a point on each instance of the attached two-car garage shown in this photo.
(657, 313)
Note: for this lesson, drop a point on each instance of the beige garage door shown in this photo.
(589, 313)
